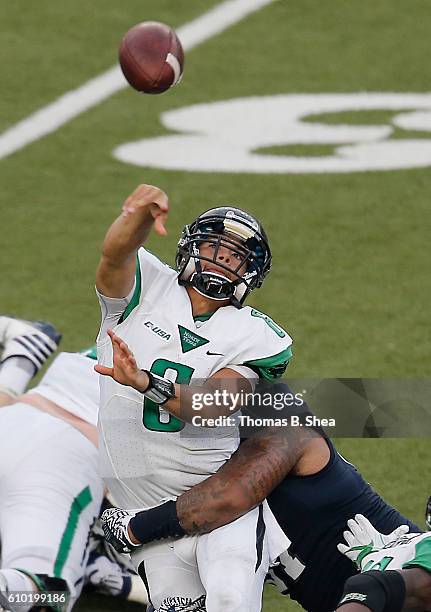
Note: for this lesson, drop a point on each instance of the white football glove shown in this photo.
(362, 536)
(107, 577)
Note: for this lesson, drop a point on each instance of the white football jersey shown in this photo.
(410, 550)
(147, 454)
(71, 382)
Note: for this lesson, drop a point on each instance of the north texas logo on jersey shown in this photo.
(190, 340)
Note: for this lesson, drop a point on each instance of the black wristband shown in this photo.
(379, 591)
(159, 389)
(157, 523)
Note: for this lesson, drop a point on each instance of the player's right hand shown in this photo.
(151, 199)
(124, 367)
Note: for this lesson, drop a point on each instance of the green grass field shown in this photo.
(350, 278)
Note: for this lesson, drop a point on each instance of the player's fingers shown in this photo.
(104, 370)
(368, 532)
(144, 196)
(113, 336)
(128, 357)
(162, 202)
(401, 530)
(364, 522)
(342, 548)
(349, 538)
(119, 343)
(159, 225)
(353, 526)
(132, 362)
(122, 346)
(356, 529)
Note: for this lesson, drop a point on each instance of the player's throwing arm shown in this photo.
(146, 207)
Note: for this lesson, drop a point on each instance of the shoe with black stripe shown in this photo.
(33, 340)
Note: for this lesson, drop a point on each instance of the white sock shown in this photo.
(15, 374)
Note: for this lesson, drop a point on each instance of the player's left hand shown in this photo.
(362, 534)
(125, 370)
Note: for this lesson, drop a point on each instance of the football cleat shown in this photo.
(428, 514)
(114, 524)
(33, 340)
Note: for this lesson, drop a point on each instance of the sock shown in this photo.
(15, 374)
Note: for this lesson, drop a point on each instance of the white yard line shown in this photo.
(70, 105)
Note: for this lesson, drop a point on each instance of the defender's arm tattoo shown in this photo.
(244, 481)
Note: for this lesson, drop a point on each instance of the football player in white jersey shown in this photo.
(185, 325)
(50, 488)
(50, 484)
(396, 571)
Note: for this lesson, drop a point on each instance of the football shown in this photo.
(151, 57)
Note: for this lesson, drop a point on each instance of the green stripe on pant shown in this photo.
(79, 504)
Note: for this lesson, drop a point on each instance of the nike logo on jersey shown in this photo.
(211, 353)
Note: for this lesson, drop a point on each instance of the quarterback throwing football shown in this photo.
(183, 325)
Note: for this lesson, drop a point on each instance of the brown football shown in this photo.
(151, 57)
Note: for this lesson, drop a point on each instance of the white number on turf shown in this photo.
(222, 136)
(51, 117)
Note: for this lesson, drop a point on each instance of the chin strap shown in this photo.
(193, 276)
(210, 284)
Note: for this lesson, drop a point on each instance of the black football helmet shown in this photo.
(239, 232)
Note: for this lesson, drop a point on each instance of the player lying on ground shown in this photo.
(50, 487)
(188, 323)
(396, 575)
(312, 492)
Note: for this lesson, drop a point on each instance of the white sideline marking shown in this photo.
(68, 106)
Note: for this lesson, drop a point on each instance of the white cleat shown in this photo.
(33, 340)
